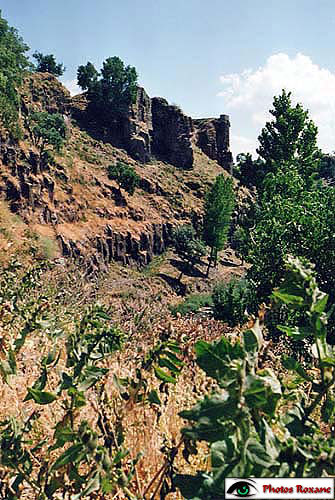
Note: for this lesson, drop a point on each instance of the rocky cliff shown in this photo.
(172, 133)
(68, 199)
(154, 128)
(212, 137)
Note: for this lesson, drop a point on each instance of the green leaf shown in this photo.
(289, 299)
(53, 486)
(92, 485)
(327, 361)
(252, 339)
(164, 362)
(164, 376)
(328, 408)
(297, 333)
(192, 487)
(40, 397)
(71, 455)
(216, 359)
(321, 304)
(292, 364)
(154, 398)
(263, 391)
(90, 376)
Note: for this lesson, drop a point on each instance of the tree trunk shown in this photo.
(209, 261)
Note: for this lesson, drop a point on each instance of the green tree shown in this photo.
(109, 92)
(47, 130)
(87, 76)
(13, 64)
(289, 138)
(219, 205)
(125, 176)
(188, 247)
(47, 64)
(249, 172)
(293, 212)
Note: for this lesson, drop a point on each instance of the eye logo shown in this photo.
(243, 489)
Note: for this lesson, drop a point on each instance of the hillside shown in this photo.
(65, 217)
(71, 202)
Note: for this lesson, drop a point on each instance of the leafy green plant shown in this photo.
(245, 419)
(80, 457)
(192, 304)
(230, 301)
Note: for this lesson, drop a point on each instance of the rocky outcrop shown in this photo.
(127, 248)
(171, 133)
(153, 127)
(212, 137)
(136, 128)
(43, 92)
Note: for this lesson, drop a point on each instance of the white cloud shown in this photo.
(248, 96)
(72, 86)
(241, 144)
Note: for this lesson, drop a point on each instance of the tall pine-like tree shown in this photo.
(219, 206)
(290, 138)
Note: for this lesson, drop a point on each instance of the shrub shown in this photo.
(188, 247)
(230, 301)
(192, 304)
(124, 175)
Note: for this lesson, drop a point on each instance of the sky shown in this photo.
(209, 57)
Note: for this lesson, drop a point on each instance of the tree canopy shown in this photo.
(111, 91)
(219, 206)
(124, 175)
(47, 130)
(294, 212)
(47, 64)
(289, 138)
(13, 63)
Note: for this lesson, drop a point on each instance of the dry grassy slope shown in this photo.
(74, 200)
(79, 207)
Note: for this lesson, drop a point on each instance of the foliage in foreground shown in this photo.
(256, 424)
(80, 457)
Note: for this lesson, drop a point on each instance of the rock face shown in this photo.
(172, 131)
(153, 127)
(212, 137)
(127, 248)
(136, 128)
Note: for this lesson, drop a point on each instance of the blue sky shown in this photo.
(209, 57)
